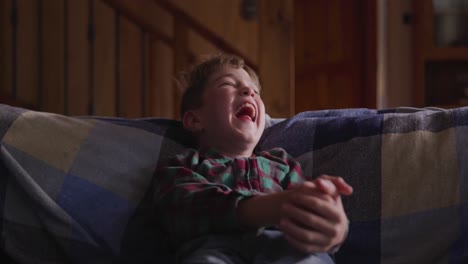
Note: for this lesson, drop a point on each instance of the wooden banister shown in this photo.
(170, 24)
(203, 31)
(136, 11)
(144, 17)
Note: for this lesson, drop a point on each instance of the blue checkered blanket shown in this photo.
(78, 189)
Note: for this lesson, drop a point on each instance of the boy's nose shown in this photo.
(246, 91)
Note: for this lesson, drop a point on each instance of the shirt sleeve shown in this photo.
(189, 205)
(291, 169)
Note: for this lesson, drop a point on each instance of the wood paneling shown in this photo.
(53, 83)
(369, 57)
(146, 71)
(147, 14)
(161, 81)
(78, 94)
(276, 61)
(224, 18)
(181, 54)
(27, 53)
(130, 69)
(124, 64)
(6, 48)
(104, 69)
(329, 63)
(199, 46)
(422, 40)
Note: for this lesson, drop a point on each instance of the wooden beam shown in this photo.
(77, 52)
(147, 15)
(161, 81)
(276, 56)
(104, 60)
(181, 56)
(183, 18)
(53, 79)
(369, 53)
(130, 69)
(6, 47)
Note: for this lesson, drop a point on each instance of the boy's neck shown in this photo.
(233, 152)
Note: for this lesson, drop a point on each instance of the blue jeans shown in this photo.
(269, 247)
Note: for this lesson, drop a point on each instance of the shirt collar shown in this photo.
(211, 152)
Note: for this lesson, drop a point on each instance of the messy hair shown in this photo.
(193, 82)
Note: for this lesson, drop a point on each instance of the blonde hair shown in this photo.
(194, 81)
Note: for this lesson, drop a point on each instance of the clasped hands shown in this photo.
(313, 218)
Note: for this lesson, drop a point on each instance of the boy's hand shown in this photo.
(313, 220)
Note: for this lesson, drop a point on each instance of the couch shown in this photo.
(79, 189)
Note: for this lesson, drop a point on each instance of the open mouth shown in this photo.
(246, 110)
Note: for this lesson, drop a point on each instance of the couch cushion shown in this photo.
(409, 170)
(80, 187)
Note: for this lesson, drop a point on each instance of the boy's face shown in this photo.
(232, 118)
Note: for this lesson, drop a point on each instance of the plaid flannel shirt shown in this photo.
(197, 193)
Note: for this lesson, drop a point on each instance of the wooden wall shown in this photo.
(119, 57)
(335, 54)
(226, 21)
(82, 57)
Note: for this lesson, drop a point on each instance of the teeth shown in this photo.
(248, 105)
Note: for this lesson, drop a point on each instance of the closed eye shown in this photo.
(228, 84)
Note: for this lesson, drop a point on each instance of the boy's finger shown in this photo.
(303, 238)
(306, 220)
(327, 187)
(343, 187)
(313, 188)
(327, 208)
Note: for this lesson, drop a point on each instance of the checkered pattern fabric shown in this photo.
(79, 189)
(409, 170)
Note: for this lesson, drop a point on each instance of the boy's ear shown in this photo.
(192, 122)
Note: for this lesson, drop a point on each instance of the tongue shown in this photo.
(244, 113)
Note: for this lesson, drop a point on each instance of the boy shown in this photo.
(220, 202)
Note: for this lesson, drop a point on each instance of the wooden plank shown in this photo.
(78, 58)
(6, 49)
(161, 88)
(146, 70)
(27, 79)
(329, 91)
(349, 87)
(370, 54)
(130, 69)
(422, 43)
(341, 95)
(144, 13)
(104, 66)
(310, 81)
(276, 56)
(329, 67)
(53, 37)
(224, 18)
(200, 46)
(335, 39)
(312, 49)
(181, 56)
